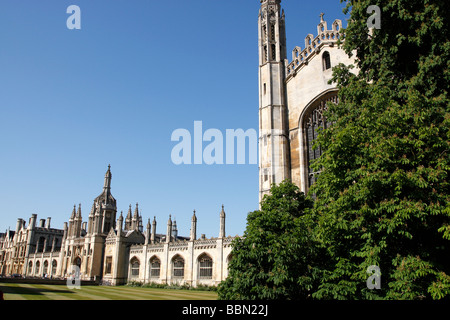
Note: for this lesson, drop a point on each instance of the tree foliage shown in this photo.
(383, 196)
(273, 259)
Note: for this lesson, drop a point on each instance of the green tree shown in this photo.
(383, 195)
(274, 258)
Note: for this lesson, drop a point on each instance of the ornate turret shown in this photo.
(174, 230)
(105, 206)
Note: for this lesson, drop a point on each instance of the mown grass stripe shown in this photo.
(112, 294)
(31, 292)
(172, 293)
(11, 292)
(134, 294)
(126, 293)
(61, 292)
(65, 293)
(54, 292)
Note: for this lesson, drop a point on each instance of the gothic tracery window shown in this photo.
(135, 268)
(205, 266)
(155, 267)
(315, 121)
(178, 267)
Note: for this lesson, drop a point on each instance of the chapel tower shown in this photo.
(274, 164)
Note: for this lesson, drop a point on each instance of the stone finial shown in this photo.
(222, 223)
(79, 211)
(74, 212)
(321, 17)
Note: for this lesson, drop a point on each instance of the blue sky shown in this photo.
(74, 101)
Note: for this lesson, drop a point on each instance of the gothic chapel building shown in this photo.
(293, 96)
(116, 249)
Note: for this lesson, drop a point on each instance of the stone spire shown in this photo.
(135, 219)
(77, 222)
(119, 224)
(222, 223)
(74, 212)
(152, 239)
(169, 229)
(193, 227)
(108, 176)
(128, 219)
(78, 215)
(71, 231)
(148, 233)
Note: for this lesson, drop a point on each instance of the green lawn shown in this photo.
(16, 291)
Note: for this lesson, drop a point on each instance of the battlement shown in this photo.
(313, 45)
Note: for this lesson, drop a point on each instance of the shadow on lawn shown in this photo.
(30, 291)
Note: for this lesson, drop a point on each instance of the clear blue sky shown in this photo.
(74, 101)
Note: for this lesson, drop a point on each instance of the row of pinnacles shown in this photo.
(166, 258)
(104, 249)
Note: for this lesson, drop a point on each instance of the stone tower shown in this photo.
(274, 164)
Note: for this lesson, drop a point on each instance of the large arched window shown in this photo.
(313, 122)
(205, 266)
(155, 267)
(178, 267)
(135, 268)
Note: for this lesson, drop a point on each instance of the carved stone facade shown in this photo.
(114, 252)
(293, 96)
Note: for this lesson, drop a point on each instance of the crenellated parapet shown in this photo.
(313, 45)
